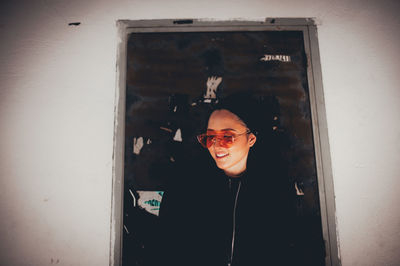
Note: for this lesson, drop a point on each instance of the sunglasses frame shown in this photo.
(219, 137)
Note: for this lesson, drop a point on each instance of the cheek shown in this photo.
(242, 146)
(239, 150)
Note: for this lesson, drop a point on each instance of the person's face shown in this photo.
(232, 160)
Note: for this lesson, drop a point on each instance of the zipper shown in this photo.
(234, 222)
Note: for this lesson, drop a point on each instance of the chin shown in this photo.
(222, 166)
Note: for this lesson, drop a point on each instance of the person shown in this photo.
(230, 208)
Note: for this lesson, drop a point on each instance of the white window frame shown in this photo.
(318, 116)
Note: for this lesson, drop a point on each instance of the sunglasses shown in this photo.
(225, 138)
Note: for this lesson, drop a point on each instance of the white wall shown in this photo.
(57, 112)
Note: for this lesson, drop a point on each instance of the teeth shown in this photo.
(221, 155)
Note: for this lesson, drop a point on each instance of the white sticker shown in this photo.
(150, 201)
(212, 86)
(299, 191)
(278, 57)
(137, 145)
(178, 135)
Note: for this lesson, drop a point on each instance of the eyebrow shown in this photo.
(225, 129)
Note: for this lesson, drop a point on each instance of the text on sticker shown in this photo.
(278, 57)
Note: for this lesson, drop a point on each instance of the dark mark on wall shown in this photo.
(54, 261)
(74, 24)
(184, 21)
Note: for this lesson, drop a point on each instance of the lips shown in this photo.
(221, 155)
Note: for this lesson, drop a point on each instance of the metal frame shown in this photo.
(318, 116)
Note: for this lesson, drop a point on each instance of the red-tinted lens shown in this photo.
(203, 140)
(211, 140)
(207, 141)
(226, 141)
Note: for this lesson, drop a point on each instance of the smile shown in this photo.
(221, 155)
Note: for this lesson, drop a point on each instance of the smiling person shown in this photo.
(228, 140)
(232, 208)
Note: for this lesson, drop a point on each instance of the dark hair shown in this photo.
(247, 107)
(259, 113)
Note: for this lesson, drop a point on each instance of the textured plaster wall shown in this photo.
(57, 87)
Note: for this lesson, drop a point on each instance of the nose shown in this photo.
(216, 142)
